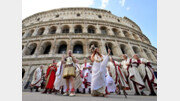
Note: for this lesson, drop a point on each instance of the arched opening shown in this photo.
(27, 86)
(126, 34)
(78, 48)
(40, 31)
(135, 37)
(115, 31)
(91, 29)
(23, 72)
(31, 49)
(137, 51)
(78, 29)
(45, 48)
(52, 30)
(30, 33)
(103, 30)
(148, 54)
(109, 46)
(94, 43)
(62, 48)
(123, 49)
(65, 29)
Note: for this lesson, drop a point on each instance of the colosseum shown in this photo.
(48, 35)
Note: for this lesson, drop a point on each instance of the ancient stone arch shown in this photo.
(78, 29)
(45, 48)
(65, 29)
(61, 47)
(91, 29)
(78, 47)
(110, 46)
(115, 31)
(52, 30)
(31, 49)
(40, 31)
(137, 51)
(126, 34)
(30, 33)
(103, 30)
(148, 54)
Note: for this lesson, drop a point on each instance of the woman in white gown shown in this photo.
(98, 82)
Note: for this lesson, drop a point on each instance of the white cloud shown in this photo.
(104, 3)
(127, 8)
(30, 7)
(122, 2)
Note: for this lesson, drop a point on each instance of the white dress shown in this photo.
(98, 81)
(38, 75)
(110, 84)
(59, 81)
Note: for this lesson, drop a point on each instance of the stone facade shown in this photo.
(48, 35)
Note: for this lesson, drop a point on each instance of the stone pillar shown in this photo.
(121, 33)
(25, 48)
(98, 31)
(130, 50)
(35, 32)
(85, 47)
(143, 53)
(58, 31)
(153, 57)
(109, 31)
(69, 45)
(130, 34)
(71, 29)
(38, 48)
(46, 30)
(26, 34)
(117, 49)
(102, 46)
(84, 29)
(53, 47)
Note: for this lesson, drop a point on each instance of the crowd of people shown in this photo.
(100, 77)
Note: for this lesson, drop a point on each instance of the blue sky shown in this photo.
(142, 12)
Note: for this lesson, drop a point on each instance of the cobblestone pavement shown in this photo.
(37, 96)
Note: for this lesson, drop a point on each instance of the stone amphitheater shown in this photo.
(50, 34)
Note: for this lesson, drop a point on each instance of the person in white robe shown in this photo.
(98, 81)
(130, 68)
(110, 84)
(86, 77)
(147, 73)
(37, 79)
(115, 70)
(59, 81)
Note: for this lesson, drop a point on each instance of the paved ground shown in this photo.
(37, 96)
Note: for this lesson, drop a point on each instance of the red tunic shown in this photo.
(50, 76)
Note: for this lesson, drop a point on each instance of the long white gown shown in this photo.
(59, 81)
(98, 81)
(38, 75)
(110, 84)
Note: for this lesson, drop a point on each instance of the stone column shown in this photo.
(102, 46)
(84, 29)
(143, 53)
(53, 47)
(118, 49)
(46, 30)
(98, 31)
(38, 48)
(25, 48)
(58, 31)
(153, 57)
(35, 32)
(71, 29)
(109, 31)
(121, 33)
(131, 36)
(130, 50)
(25, 34)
